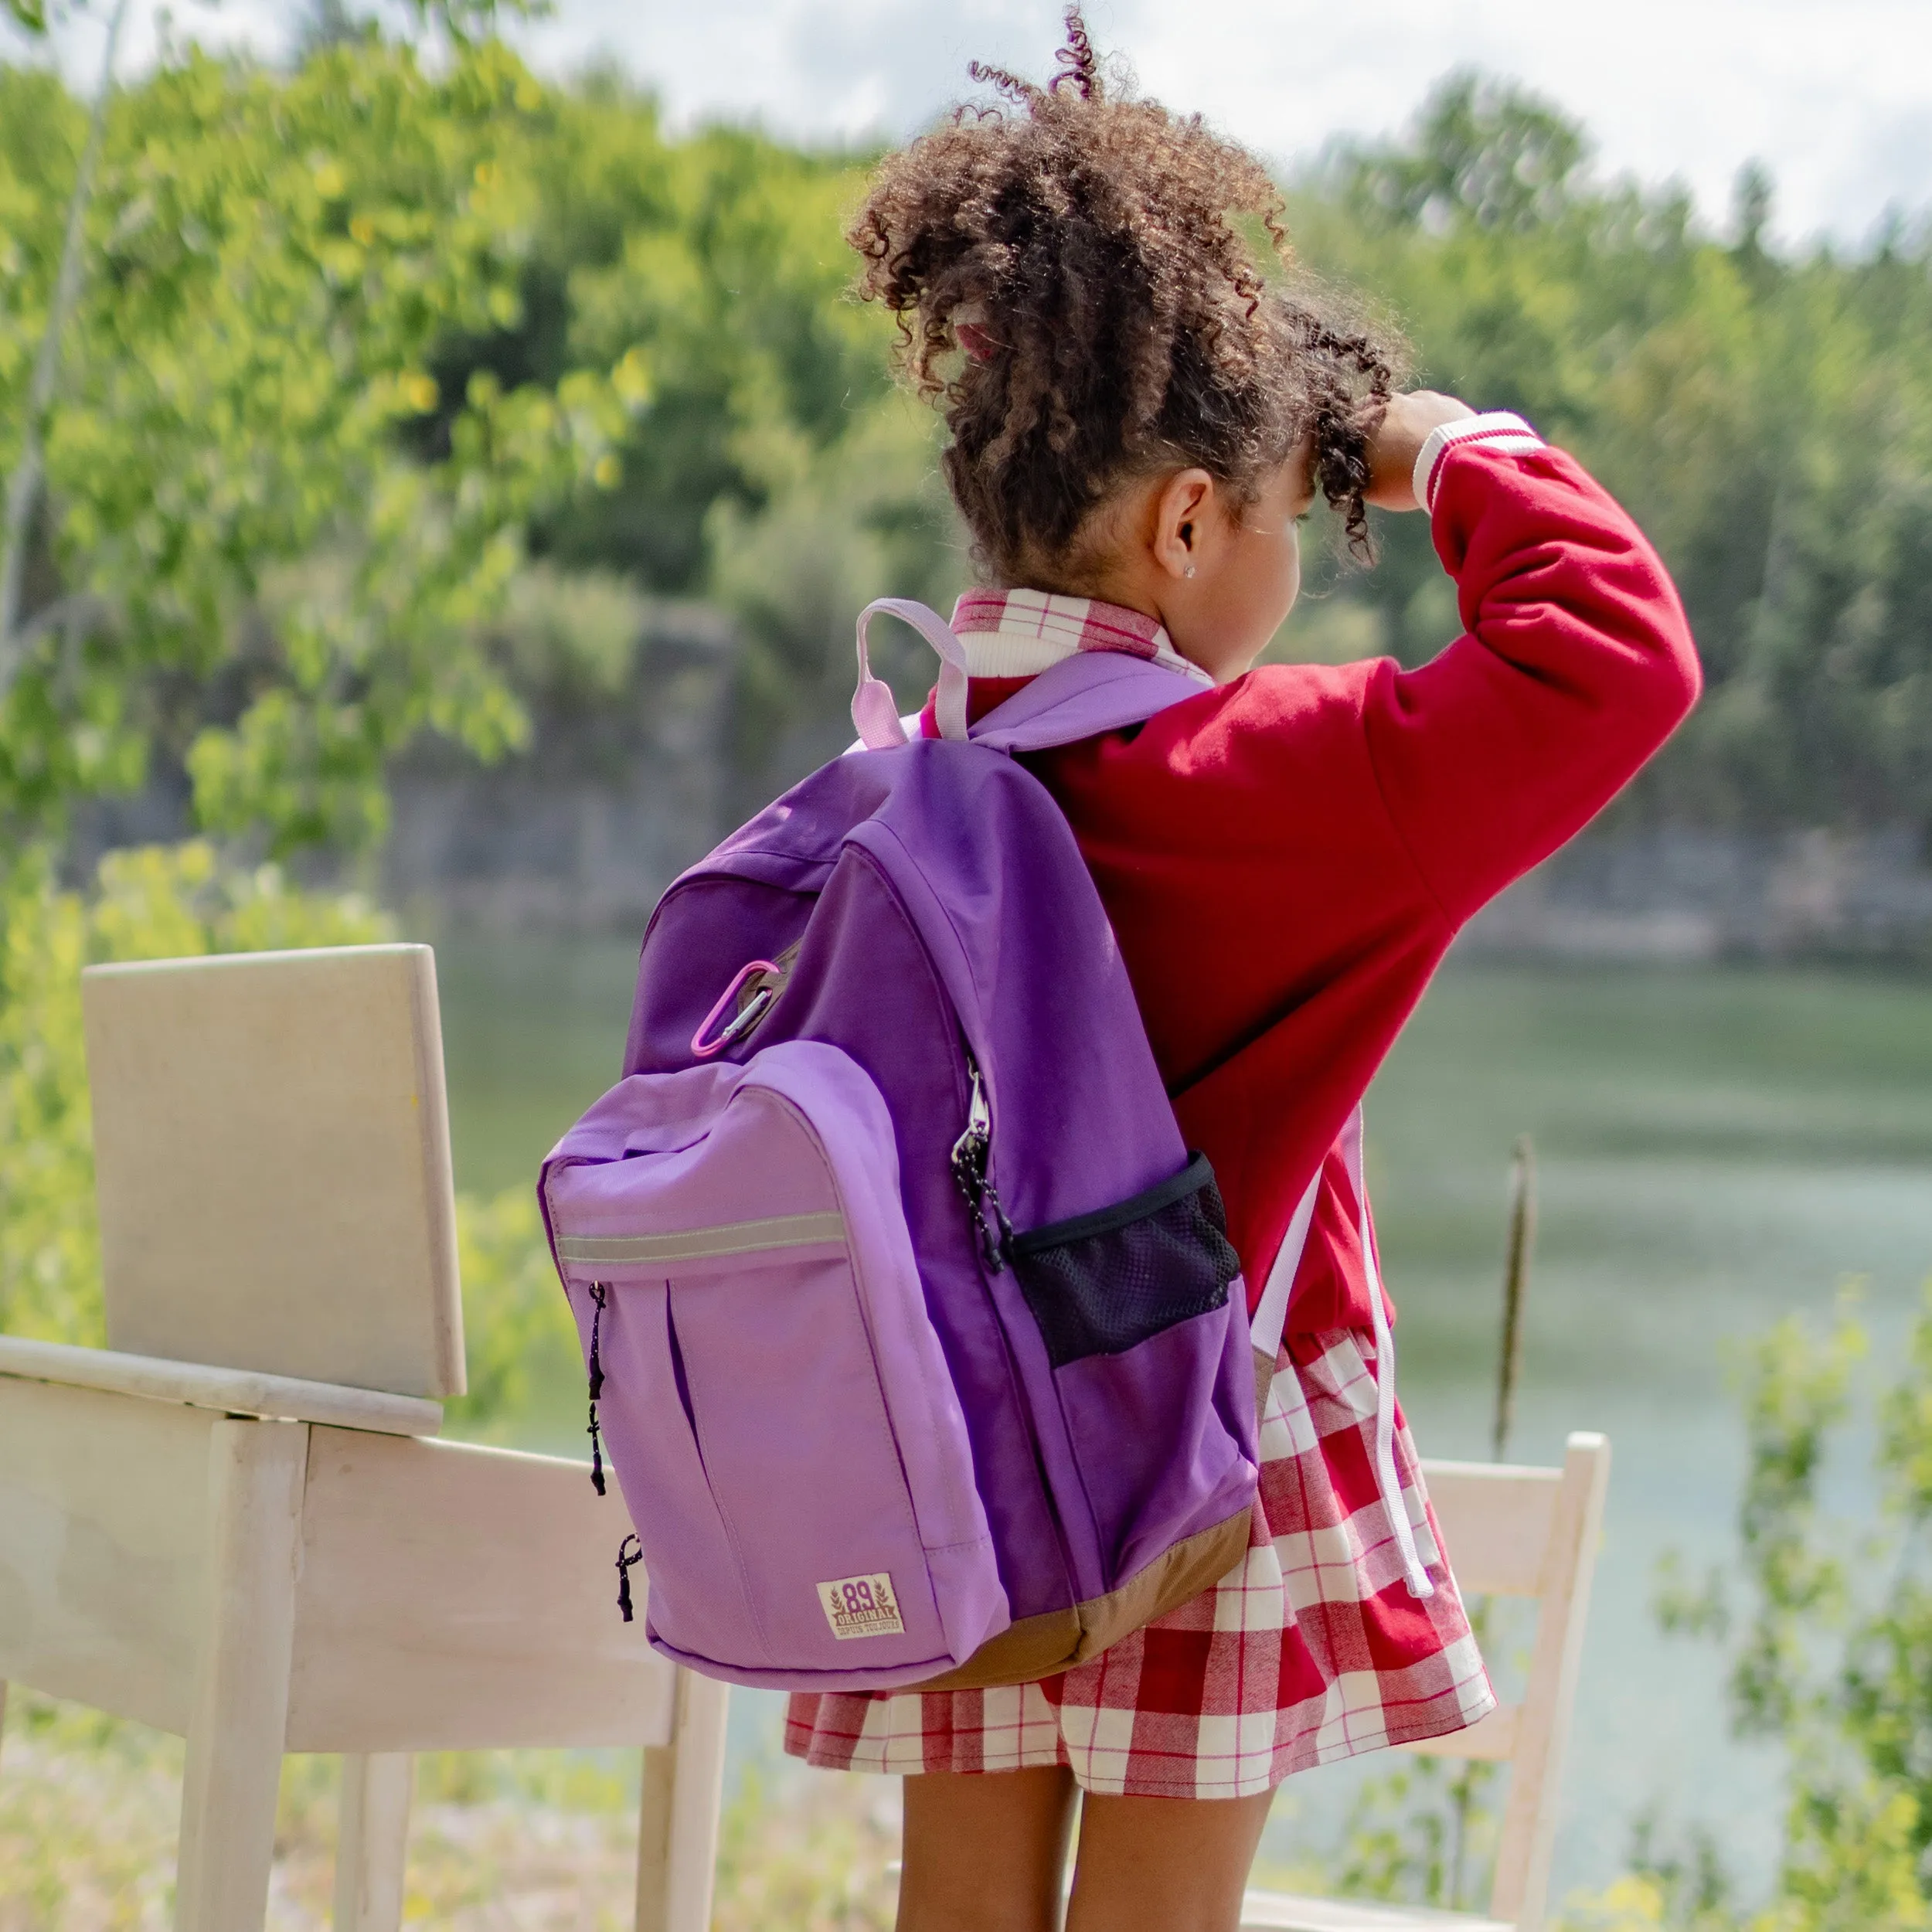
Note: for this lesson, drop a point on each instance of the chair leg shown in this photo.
(653, 1837)
(238, 1720)
(372, 1850)
(678, 1822)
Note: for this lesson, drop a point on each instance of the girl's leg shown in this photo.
(985, 1852)
(1165, 1864)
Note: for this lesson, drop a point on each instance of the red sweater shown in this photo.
(1286, 858)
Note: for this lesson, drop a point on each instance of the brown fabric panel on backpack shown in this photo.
(1036, 1647)
(1023, 1653)
(1176, 1576)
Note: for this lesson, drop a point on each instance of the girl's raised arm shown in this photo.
(1576, 664)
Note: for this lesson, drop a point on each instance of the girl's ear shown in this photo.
(1184, 512)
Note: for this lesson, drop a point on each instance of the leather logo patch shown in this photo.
(862, 1607)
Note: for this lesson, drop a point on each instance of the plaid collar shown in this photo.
(1018, 634)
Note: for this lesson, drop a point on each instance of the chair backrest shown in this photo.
(1514, 1532)
(272, 1165)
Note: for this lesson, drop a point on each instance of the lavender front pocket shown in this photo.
(833, 1542)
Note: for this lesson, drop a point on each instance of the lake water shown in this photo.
(1715, 1148)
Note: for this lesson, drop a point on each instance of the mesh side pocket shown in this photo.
(1103, 1283)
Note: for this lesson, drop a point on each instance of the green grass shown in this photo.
(542, 1841)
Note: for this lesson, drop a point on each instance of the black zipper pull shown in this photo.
(625, 1562)
(599, 1293)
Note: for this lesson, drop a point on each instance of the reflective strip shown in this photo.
(698, 1244)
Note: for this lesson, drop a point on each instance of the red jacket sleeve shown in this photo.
(1577, 664)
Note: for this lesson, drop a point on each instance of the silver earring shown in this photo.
(1188, 572)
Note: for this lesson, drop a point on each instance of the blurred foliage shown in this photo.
(1827, 1620)
(331, 19)
(776, 470)
(272, 261)
(1424, 1833)
(517, 1329)
(1767, 419)
(574, 631)
(813, 1851)
(546, 1840)
(1425, 1830)
(357, 340)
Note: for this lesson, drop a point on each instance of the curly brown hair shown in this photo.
(1078, 247)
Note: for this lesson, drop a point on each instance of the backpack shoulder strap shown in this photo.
(1089, 692)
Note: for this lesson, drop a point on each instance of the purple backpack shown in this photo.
(918, 1342)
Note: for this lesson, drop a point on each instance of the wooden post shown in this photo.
(1466, 1791)
(238, 1720)
(1523, 1240)
(372, 1844)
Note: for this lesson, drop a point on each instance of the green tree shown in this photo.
(1483, 152)
(242, 564)
(1768, 419)
(242, 559)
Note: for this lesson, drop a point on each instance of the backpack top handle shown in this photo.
(875, 711)
(1089, 692)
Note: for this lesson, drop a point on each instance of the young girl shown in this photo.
(1138, 421)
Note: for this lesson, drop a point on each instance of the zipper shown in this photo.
(971, 1161)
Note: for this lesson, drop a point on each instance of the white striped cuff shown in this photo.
(1495, 429)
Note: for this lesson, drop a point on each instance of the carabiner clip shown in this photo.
(754, 1011)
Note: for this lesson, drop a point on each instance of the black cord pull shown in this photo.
(625, 1561)
(972, 1161)
(598, 1294)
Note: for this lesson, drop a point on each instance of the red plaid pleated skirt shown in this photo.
(1312, 1649)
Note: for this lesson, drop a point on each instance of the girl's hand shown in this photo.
(1393, 448)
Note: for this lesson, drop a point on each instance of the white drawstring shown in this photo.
(1271, 1316)
(1271, 1311)
(1388, 1482)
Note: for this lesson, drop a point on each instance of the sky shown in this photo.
(1835, 96)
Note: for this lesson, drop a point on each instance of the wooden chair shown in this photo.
(1510, 1532)
(235, 1524)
